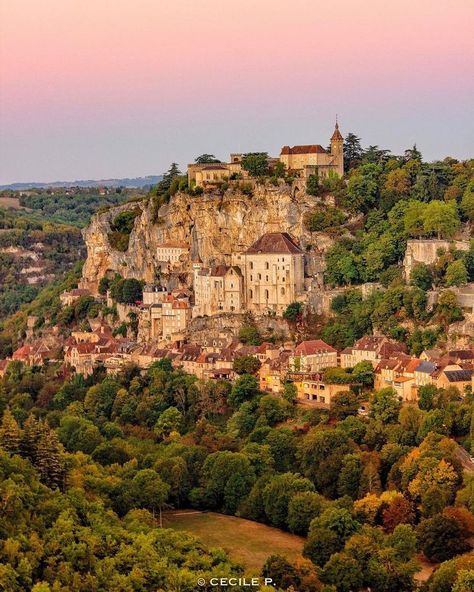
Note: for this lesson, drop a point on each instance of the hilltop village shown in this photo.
(190, 279)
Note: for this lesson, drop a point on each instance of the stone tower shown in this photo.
(337, 150)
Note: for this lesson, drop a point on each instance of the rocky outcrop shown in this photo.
(427, 251)
(215, 226)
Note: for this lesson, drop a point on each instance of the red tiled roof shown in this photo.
(304, 149)
(312, 347)
(275, 242)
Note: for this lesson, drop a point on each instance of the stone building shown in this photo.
(217, 289)
(312, 356)
(303, 160)
(313, 158)
(171, 251)
(273, 271)
(175, 316)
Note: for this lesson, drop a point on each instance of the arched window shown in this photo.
(251, 293)
(267, 265)
(251, 265)
(259, 276)
(266, 294)
(282, 291)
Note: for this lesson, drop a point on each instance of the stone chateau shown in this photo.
(303, 160)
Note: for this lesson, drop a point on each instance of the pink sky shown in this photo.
(98, 88)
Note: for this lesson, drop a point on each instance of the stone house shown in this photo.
(176, 314)
(217, 289)
(312, 356)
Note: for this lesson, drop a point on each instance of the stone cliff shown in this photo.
(214, 225)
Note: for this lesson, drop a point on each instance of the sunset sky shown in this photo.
(116, 88)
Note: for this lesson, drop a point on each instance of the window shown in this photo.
(251, 293)
(259, 276)
(266, 277)
(267, 266)
(266, 294)
(251, 265)
(282, 291)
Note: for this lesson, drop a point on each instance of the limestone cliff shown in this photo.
(214, 225)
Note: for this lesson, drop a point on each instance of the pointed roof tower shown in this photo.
(336, 134)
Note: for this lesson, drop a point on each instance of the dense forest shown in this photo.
(88, 465)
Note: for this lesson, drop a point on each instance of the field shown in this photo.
(245, 541)
(11, 202)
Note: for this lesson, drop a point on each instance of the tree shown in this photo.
(10, 434)
(441, 219)
(456, 274)
(246, 365)
(321, 455)
(290, 392)
(421, 277)
(352, 150)
(348, 482)
(206, 159)
(151, 492)
(244, 389)
(169, 421)
(441, 538)
(293, 311)
(343, 572)
(363, 373)
(303, 507)
(399, 511)
(363, 187)
(344, 404)
(312, 185)
(278, 493)
(255, 163)
(413, 154)
(249, 335)
(467, 202)
(132, 291)
(385, 405)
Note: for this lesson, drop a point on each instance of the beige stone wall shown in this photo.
(426, 251)
(272, 281)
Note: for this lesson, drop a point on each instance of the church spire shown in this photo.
(336, 134)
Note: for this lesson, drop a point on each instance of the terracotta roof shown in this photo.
(275, 242)
(315, 346)
(306, 149)
(337, 134)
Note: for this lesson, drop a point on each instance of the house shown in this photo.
(175, 316)
(217, 290)
(171, 251)
(69, 297)
(371, 348)
(312, 389)
(454, 375)
(312, 356)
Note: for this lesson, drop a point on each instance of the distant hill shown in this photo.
(133, 182)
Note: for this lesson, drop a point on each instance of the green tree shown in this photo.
(10, 433)
(249, 335)
(456, 274)
(302, 508)
(278, 493)
(169, 421)
(352, 150)
(441, 538)
(206, 159)
(255, 163)
(246, 365)
(343, 572)
(385, 405)
(363, 373)
(293, 311)
(441, 219)
(421, 277)
(151, 492)
(312, 185)
(244, 389)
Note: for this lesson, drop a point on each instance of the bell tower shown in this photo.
(337, 150)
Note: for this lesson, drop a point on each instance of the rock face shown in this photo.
(426, 251)
(215, 226)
